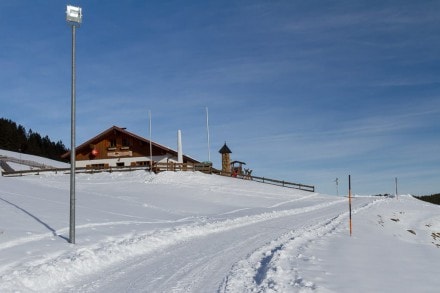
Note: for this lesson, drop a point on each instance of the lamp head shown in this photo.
(74, 14)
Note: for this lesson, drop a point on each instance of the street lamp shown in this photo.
(73, 14)
(74, 18)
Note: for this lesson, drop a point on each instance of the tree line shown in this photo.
(15, 138)
(433, 198)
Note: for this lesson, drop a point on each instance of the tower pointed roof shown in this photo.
(225, 150)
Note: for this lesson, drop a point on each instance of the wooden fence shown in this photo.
(283, 183)
(171, 166)
(24, 162)
(157, 167)
(265, 180)
(161, 167)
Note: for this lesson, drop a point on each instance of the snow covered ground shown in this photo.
(192, 232)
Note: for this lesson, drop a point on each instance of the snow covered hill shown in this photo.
(192, 232)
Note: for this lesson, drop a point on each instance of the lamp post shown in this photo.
(73, 18)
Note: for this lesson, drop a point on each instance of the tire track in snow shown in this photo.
(53, 272)
(65, 230)
(264, 270)
(293, 200)
(272, 206)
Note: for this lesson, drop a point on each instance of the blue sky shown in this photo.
(305, 91)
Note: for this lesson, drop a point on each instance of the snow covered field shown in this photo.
(192, 232)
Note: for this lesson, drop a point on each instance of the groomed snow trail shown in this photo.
(175, 232)
(197, 259)
(266, 269)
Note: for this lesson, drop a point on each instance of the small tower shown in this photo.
(226, 160)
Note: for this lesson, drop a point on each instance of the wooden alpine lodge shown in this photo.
(117, 149)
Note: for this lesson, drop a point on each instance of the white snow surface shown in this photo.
(193, 232)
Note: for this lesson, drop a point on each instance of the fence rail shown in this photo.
(170, 166)
(157, 167)
(161, 167)
(265, 180)
(67, 170)
(25, 162)
(283, 183)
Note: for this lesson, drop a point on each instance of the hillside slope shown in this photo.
(192, 232)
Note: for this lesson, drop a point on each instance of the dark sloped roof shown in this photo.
(123, 130)
(225, 150)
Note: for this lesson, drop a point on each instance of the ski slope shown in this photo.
(193, 232)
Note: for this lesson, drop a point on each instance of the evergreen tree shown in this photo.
(14, 138)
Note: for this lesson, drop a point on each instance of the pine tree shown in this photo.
(14, 138)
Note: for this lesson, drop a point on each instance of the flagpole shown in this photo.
(349, 202)
(207, 132)
(151, 148)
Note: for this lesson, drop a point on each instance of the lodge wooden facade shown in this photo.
(117, 147)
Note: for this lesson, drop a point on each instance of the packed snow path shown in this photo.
(176, 232)
(197, 259)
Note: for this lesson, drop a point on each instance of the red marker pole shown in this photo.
(349, 202)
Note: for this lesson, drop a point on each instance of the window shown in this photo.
(113, 143)
(97, 166)
(120, 164)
